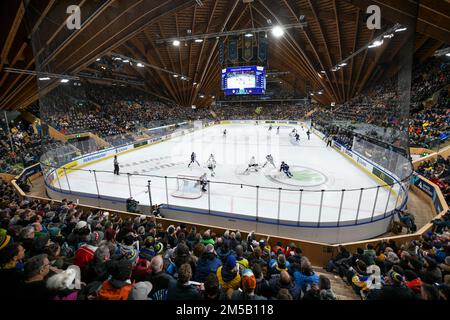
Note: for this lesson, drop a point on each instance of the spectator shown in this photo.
(284, 281)
(183, 289)
(207, 264)
(118, 286)
(228, 274)
(33, 286)
(248, 288)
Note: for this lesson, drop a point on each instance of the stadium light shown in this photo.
(126, 61)
(176, 43)
(277, 31)
(323, 71)
(376, 44)
(343, 64)
(64, 80)
(175, 76)
(388, 36)
(198, 40)
(447, 54)
(98, 59)
(140, 65)
(44, 78)
(202, 96)
(401, 29)
(248, 35)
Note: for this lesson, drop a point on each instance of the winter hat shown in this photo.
(147, 253)
(159, 248)
(66, 280)
(248, 279)
(231, 262)
(54, 231)
(131, 255)
(95, 237)
(210, 249)
(281, 262)
(80, 225)
(392, 257)
(40, 243)
(141, 290)
(4, 241)
(410, 275)
(395, 277)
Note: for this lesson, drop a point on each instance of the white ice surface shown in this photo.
(232, 153)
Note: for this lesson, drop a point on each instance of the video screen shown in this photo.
(244, 80)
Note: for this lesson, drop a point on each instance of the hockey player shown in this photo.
(225, 132)
(204, 182)
(211, 164)
(297, 137)
(308, 133)
(252, 165)
(285, 168)
(269, 159)
(278, 130)
(116, 166)
(270, 128)
(193, 159)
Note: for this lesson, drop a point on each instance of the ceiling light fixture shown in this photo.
(277, 31)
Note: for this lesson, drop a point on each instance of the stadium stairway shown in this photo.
(342, 290)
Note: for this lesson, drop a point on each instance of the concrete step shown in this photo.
(342, 290)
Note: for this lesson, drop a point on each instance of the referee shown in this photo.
(116, 166)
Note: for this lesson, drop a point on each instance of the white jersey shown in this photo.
(211, 162)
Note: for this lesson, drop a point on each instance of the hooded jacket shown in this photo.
(228, 279)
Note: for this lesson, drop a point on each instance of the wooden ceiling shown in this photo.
(336, 28)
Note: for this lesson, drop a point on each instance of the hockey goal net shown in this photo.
(188, 187)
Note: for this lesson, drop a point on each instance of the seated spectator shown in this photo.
(158, 278)
(395, 288)
(118, 286)
(33, 286)
(228, 274)
(284, 281)
(207, 264)
(96, 269)
(11, 267)
(248, 288)
(212, 289)
(183, 289)
(413, 281)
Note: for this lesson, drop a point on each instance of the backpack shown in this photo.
(108, 292)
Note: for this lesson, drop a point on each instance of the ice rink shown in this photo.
(315, 167)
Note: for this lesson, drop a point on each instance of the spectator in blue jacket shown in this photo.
(305, 278)
(208, 263)
(279, 264)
